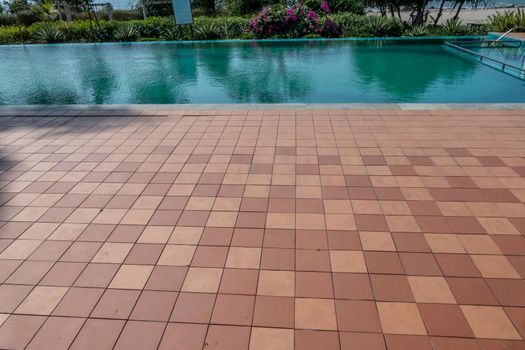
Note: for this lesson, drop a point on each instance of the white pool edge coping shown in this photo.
(25, 109)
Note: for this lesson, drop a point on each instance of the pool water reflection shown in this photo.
(248, 72)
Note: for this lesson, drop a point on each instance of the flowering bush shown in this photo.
(294, 21)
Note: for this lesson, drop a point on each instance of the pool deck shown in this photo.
(307, 227)
(520, 36)
(178, 109)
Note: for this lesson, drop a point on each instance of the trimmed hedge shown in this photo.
(153, 28)
(164, 28)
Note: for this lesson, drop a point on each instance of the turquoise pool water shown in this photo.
(325, 71)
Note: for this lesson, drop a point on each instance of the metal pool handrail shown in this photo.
(507, 33)
(505, 67)
(491, 43)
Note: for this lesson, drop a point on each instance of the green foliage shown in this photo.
(126, 32)
(477, 29)
(350, 25)
(171, 34)
(503, 21)
(48, 33)
(336, 6)
(312, 36)
(28, 17)
(126, 15)
(204, 7)
(14, 35)
(208, 28)
(47, 11)
(246, 7)
(7, 19)
(453, 27)
(82, 31)
(380, 26)
(420, 30)
(17, 6)
(207, 31)
(153, 27)
(232, 27)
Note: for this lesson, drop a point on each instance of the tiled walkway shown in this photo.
(331, 230)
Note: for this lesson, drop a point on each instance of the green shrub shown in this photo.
(17, 6)
(46, 10)
(232, 27)
(126, 15)
(170, 34)
(420, 30)
(7, 19)
(452, 27)
(294, 21)
(207, 30)
(351, 25)
(478, 29)
(81, 31)
(126, 32)
(275, 22)
(336, 6)
(48, 33)
(348, 24)
(503, 21)
(246, 7)
(14, 35)
(380, 26)
(28, 17)
(154, 27)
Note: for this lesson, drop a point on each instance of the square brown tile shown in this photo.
(357, 316)
(313, 313)
(140, 335)
(313, 285)
(183, 335)
(400, 318)
(352, 286)
(193, 308)
(391, 288)
(233, 309)
(116, 303)
(154, 306)
(445, 320)
(227, 337)
(274, 312)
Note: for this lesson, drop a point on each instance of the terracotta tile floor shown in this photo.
(274, 230)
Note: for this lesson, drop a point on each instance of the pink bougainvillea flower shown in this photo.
(325, 6)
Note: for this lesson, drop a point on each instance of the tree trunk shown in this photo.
(67, 12)
(110, 11)
(460, 5)
(440, 12)
(420, 9)
(59, 9)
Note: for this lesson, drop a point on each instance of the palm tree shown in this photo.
(458, 5)
(47, 10)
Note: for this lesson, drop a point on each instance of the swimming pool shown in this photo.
(311, 71)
